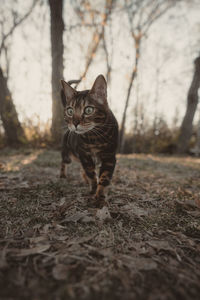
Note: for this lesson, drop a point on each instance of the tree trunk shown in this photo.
(192, 102)
(13, 130)
(133, 75)
(57, 28)
(198, 140)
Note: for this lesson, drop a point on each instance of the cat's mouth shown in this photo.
(81, 130)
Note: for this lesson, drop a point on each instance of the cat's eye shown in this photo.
(70, 111)
(89, 110)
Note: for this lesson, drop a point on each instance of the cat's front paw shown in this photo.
(100, 200)
(62, 175)
(100, 193)
(99, 197)
(93, 191)
(93, 188)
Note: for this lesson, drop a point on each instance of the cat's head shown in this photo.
(84, 110)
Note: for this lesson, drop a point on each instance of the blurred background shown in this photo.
(148, 50)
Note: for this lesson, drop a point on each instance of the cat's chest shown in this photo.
(96, 151)
(96, 148)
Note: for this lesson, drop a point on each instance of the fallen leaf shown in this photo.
(81, 240)
(159, 245)
(38, 239)
(35, 250)
(187, 204)
(75, 217)
(197, 202)
(194, 213)
(88, 219)
(138, 263)
(3, 261)
(60, 272)
(133, 209)
(62, 201)
(103, 214)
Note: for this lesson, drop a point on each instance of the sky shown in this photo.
(165, 67)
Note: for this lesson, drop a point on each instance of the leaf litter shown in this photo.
(145, 244)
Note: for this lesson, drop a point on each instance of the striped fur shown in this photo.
(91, 139)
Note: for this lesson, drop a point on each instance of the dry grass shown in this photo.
(55, 245)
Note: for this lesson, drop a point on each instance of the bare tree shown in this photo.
(13, 130)
(57, 49)
(141, 15)
(192, 102)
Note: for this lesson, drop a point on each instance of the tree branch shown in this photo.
(15, 24)
(97, 37)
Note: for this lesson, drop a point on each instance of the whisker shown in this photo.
(99, 134)
(95, 133)
(68, 138)
(106, 125)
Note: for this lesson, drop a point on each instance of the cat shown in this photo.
(91, 136)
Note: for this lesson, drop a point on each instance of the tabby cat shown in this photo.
(92, 134)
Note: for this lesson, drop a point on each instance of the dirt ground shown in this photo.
(54, 244)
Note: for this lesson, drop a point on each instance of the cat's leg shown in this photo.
(84, 176)
(89, 170)
(63, 170)
(65, 160)
(105, 175)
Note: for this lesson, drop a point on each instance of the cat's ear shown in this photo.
(99, 90)
(68, 90)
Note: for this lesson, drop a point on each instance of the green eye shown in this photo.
(70, 111)
(89, 110)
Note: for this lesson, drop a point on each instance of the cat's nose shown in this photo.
(76, 122)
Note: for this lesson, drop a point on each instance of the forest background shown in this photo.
(146, 50)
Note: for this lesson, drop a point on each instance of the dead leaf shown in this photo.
(35, 250)
(38, 239)
(159, 245)
(187, 204)
(3, 261)
(46, 228)
(84, 217)
(194, 213)
(197, 202)
(62, 201)
(132, 209)
(60, 272)
(138, 263)
(24, 184)
(81, 240)
(103, 214)
(106, 252)
(88, 219)
(20, 278)
(75, 217)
